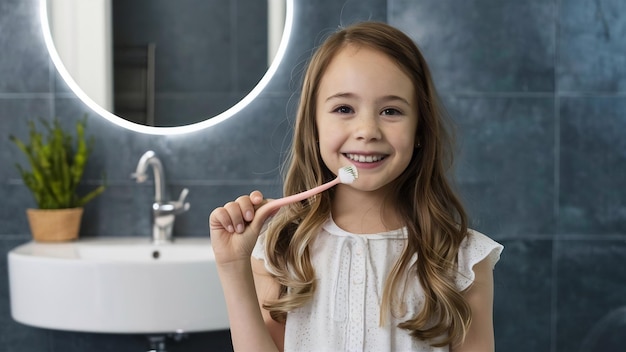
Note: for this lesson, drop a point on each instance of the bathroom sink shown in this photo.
(143, 252)
(117, 285)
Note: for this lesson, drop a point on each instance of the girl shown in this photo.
(386, 263)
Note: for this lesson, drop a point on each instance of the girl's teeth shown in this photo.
(364, 158)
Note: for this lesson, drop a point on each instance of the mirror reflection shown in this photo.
(166, 63)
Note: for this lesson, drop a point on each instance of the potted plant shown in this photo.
(57, 161)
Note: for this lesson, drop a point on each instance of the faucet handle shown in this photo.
(181, 200)
(174, 207)
(183, 195)
(180, 205)
(171, 208)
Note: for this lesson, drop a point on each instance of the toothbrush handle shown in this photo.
(276, 204)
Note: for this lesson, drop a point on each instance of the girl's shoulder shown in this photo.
(475, 248)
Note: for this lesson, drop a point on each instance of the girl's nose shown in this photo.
(367, 128)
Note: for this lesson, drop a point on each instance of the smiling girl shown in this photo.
(386, 263)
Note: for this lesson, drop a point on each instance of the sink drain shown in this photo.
(156, 254)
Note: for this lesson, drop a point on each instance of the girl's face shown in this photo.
(366, 115)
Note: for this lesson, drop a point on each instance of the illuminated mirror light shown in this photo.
(54, 55)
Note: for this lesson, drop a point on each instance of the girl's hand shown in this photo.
(235, 228)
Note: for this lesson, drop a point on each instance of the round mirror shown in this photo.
(147, 66)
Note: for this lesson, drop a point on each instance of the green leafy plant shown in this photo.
(57, 162)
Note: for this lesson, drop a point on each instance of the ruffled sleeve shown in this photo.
(259, 248)
(258, 252)
(474, 248)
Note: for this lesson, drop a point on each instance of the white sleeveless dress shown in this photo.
(351, 269)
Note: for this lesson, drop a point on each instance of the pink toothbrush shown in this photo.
(347, 175)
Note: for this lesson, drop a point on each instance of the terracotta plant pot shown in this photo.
(54, 225)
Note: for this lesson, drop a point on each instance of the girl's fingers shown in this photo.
(220, 219)
(256, 197)
(234, 216)
(246, 205)
(249, 204)
(235, 212)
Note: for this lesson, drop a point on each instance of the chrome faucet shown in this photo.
(163, 212)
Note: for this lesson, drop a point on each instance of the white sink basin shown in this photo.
(117, 285)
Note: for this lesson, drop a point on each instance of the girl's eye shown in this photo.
(391, 111)
(344, 110)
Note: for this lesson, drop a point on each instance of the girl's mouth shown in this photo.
(360, 158)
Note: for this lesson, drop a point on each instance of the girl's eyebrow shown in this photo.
(386, 98)
(341, 95)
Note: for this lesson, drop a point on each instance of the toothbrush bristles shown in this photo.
(348, 174)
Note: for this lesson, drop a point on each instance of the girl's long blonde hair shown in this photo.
(435, 220)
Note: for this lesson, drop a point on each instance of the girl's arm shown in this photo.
(247, 327)
(480, 337)
(235, 228)
(267, 289)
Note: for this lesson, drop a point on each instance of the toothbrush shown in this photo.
(347, 175)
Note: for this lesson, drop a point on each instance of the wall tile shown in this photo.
(78, 342)
(592, 196)
(201, 342)
(122, 210)
(195, 342)
(13, 219)
(592, 37)
(506, 160)
(25, 67)
(313, 22)
(522, 296)
(591, 295)
(486, 46)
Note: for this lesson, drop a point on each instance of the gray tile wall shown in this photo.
(537, 88)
